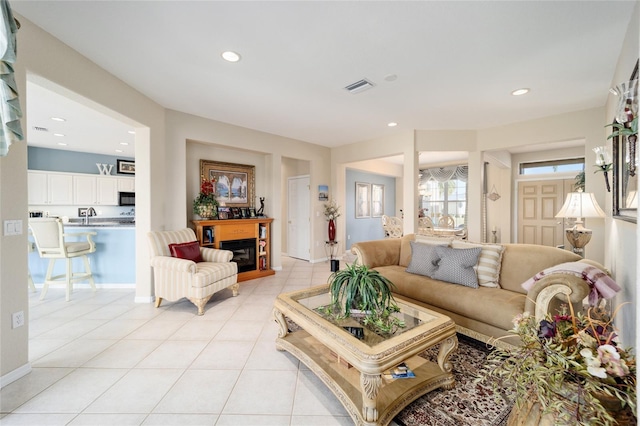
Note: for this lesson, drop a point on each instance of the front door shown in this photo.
(298, 226)
(538, 203)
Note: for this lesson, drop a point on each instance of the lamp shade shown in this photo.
(580, 204)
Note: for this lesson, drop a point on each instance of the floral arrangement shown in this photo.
(204, 204)
(571, 364)
(331, 210)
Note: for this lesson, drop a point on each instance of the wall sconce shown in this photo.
(579, 205)
(627, 117)
(604, 163)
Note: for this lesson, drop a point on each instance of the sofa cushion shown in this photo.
(405, 245)
(489, 262)
(424, 259)
(457, 265)
(189, 251)
(494, 306)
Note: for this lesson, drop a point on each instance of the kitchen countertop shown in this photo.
(106, 222)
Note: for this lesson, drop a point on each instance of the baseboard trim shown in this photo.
(145, 299)
(14, 375)
(103, 285)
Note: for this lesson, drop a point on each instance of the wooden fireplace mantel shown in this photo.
(211, 233)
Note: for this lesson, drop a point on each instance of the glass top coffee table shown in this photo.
(354, 369)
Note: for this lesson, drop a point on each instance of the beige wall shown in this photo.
(265, 151)
(621, 238)
(53, 64)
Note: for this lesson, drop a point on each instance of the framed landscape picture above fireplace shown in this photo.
(235, 183)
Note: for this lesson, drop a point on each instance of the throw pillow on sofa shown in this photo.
(424, 259)
(457, 265)
(489, 262)
(189, 251)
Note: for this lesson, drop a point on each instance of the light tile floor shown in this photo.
(102, 359)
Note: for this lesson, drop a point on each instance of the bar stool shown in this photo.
(49, 236)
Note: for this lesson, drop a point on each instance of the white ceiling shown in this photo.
(456, 62)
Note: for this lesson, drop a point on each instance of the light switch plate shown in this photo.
(12, 227)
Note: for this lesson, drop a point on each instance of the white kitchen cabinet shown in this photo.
(107, 191)
(50, 188)
(84, 190)
(126, 184)
(91, 190)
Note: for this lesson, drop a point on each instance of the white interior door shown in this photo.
(299, 218)
(538, 203)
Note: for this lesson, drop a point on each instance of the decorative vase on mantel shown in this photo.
(207, 211)
(332, 230)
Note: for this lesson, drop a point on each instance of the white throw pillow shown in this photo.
(489, 262)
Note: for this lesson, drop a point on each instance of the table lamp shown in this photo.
(579, 205)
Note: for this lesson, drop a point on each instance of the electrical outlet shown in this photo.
(348, 237)
(17, 319)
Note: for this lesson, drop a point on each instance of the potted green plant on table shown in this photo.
(569, 370)
(205, 204)
(362, 290)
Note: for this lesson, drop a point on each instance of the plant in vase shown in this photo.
(358, 288)
(205, 204)
(569, 364)
(332, 212)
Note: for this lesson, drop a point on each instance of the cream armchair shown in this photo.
(175, 278)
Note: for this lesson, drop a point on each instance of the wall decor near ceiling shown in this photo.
(625, 155)
(363, 200)
(377, 200)
(235, 183)
(126, 167)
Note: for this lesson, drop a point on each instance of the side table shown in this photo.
(331, 248)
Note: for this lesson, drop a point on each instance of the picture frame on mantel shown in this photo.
(625, 180)
(235, 183)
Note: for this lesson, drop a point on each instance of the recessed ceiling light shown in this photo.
(60, 135)
(132, 132)
(520, 92)
(58, 119)
(230, 56)
(62, 144)
(392, 124)
(124, 143)
(391, 77)
(118, 150)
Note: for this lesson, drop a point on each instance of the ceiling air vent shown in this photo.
(40, 129)
(359, 86)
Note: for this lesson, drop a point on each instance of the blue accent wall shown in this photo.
(366, 229)
(58, 160)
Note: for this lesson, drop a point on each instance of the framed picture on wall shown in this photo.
(377, 200)
(363, 200)
(235, 183)
(323, 192)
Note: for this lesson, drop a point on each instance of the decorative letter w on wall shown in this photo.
(104, 169)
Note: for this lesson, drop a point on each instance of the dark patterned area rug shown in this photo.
(467, 403)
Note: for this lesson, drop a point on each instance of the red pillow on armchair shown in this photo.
(189, 251)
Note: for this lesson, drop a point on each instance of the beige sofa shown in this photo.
(483, 313)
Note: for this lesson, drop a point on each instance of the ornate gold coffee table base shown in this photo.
(370, 397)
